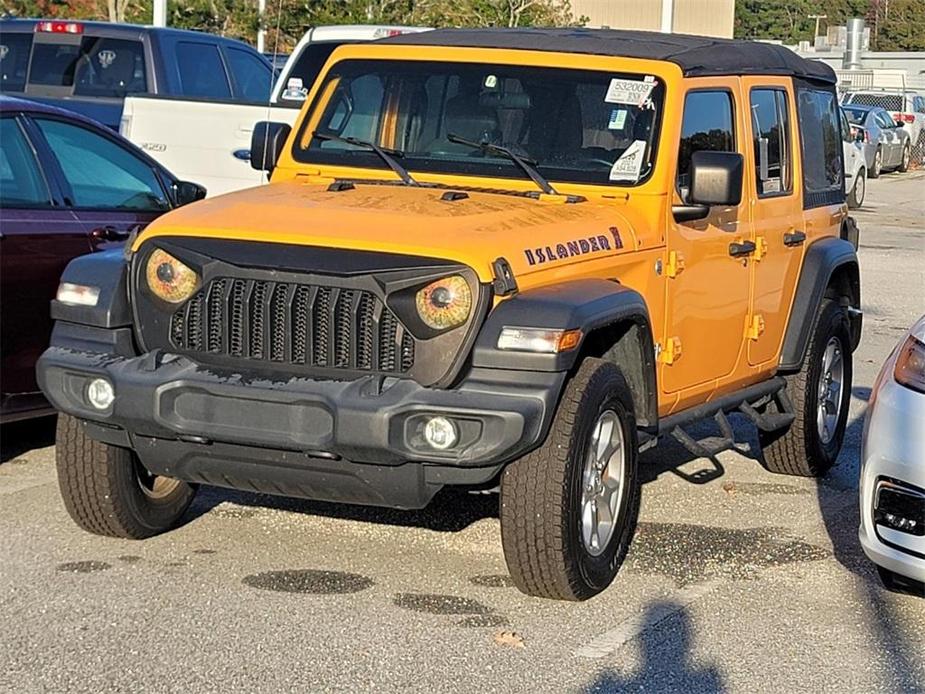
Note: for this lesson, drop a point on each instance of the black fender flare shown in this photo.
(589, 305)
(108, 272)
(826, 259)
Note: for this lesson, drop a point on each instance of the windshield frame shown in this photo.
(597, 67)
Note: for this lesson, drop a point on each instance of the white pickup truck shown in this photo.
(208, 141)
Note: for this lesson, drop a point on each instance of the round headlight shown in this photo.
(445, 303)
(169, 279)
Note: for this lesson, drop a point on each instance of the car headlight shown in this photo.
(445, 303)
(910, 364)
(169, 279)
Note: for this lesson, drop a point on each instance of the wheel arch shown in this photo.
(830, 271)
(615, 325)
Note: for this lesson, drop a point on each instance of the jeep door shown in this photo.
(777, 213)
(707, 288)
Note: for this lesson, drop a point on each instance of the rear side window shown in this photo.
(820, 135)
(110, 67)
(304, 72)
(771, 131)
(707, 125)
(252, 77)
(202, 72)
(14, 61)
(21, 182)
(101, 173)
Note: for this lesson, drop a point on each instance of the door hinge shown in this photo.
(755, 327)
(675, 264)
(761, 248)
(671, 352)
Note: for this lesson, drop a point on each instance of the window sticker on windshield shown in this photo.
(4, 49)
(633, 92)
(106, 58)
(628, 166)
(294, 90)
(617, 119)
(491, 81)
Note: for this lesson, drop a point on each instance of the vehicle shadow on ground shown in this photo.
(665, 646)
(452, 510)
(18, 438)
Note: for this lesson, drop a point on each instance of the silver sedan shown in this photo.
(886, 144)
(892, 487)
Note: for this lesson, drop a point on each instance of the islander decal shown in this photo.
(569, 249)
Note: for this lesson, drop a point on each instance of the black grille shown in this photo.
(286, 323)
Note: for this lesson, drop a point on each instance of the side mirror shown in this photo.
(716, 180)
(859, 135)
(267, 142)
(185, 192)
(900, 124)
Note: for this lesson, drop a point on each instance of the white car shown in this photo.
(208, 141)
(906, 107)
(855, 164)
(892, 488)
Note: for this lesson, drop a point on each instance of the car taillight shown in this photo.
(905, 117)
(59, 27)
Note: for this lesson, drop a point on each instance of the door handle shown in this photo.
(737, 250)
(794, 238)
(109, 233)
(242, 154)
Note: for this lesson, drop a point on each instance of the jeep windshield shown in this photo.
(574, 126)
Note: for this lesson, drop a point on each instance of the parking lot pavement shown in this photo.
(738, 579)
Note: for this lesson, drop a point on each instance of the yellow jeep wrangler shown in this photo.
(485, 257)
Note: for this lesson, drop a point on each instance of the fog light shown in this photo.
(100, 393)
(440, 433)
(900, 507)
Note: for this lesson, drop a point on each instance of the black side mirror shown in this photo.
(716, 179)
(859, 135)
(185, 192)
(900, 124)
(267, 144)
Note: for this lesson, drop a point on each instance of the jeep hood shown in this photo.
(532, 234)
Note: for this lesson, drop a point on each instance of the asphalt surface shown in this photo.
(739, 580)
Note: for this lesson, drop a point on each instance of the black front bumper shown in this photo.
(356, 440)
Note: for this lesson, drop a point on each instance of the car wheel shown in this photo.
(856, 199)
(877, 168)
(906, 159)
(897, 583)
(569, 508)
(819, 395)
(107, 491)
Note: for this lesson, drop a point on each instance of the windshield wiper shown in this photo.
(528, 165)
(387, 155)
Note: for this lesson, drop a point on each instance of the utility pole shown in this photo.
(667, 25)
(817, 17)
(261, 25)
(160, 13)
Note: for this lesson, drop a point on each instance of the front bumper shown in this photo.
(893, 449)
(201, 425)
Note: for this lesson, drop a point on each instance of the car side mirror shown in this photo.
(859, 136)
(716, 180)
(267, 142)
(185, 192)
(900, 124)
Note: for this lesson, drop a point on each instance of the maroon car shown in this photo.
(68, 186)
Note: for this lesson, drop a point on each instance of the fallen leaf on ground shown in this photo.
(729, 487)
(509, 638)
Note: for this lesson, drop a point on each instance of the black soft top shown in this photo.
(697, 56)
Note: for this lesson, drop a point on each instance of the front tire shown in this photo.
(819, 394)
(108, 492)
(569, 508)
(856, 199)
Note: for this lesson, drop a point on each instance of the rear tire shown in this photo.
(877, 168)
(555, 501)
(856, 199)
(810, 445)
(906, 159)
(107, 491)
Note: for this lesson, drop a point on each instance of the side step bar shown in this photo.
(748, 401)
